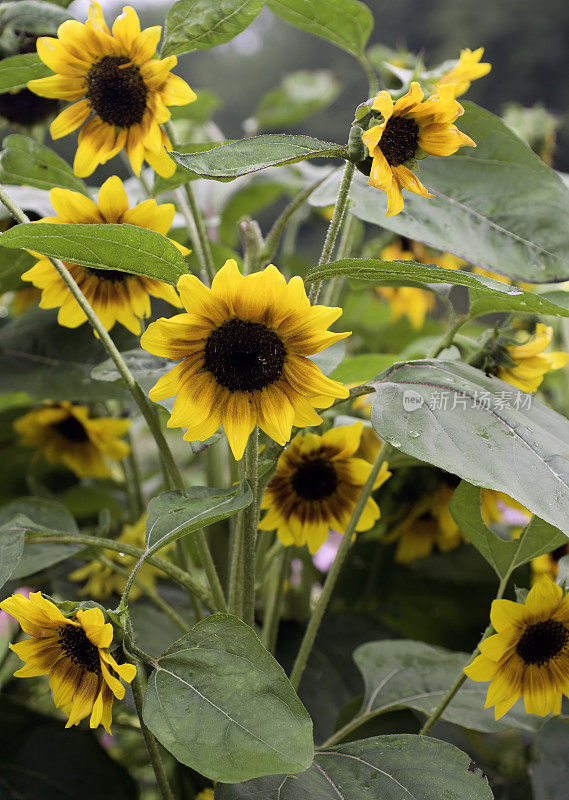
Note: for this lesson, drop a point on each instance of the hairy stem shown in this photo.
(251, 521)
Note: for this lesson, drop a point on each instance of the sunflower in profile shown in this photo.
(410, 128)
(468, 68)
(74, 652)
(528, 656)
(66, 434)
(121, 91)
(316, 486)
(530, 362)
(244, 346)
(115, 296)
(103, 578)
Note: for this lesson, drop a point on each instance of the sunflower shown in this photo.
(529, 654)
(531, 363)
(74, 653)
(548, 564)
(468, 68)
(410, 127)
(122, 90)
(245, 345)
(316, 486)
(101, 580)
(65, 433)
(115, 296)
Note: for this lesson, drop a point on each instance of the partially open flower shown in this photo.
(531, 362)
(121, 91)
(66, 434)
(467, 69)
(409, 128)
(74, 653)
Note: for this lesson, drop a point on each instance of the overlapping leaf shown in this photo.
(201, 24)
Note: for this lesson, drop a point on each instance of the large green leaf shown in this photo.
(299, 95)
(503, 555)
(181, 176)
(12, 267)
(32, 16)
(408, 674)
(16, 71)
(497, 205)
(402, 767)
(251, 155)
(482, 429)
(172, 514)
(345, 23)
(549, 768)
(222, 705)
(362, 368)
(23, 160)
(488, 295)
(127, 248)
(201, 24)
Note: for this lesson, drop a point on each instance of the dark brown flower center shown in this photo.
(117, 92)
(79, 648)
(71, 429)
(112, 275)
(542, 642)
(244, 356)
(315, 479)
(400, 140)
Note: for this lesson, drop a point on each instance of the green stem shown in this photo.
(193, 233)
(330, 582)
(252, 239)
(210, 570)
(174, 572)
(447, 338)
(151, 743)
(334, 227)
(371, 76)
(344, 248)
(277, 577)
(134, 483)
(251, 521)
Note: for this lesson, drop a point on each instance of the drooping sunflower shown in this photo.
(74, 653)
(121, 91)
(316, 486)
(101, 580)
(245, 345)
(468, 68)
(115, 296)
(531, 362)
(528, 655)
(411, 126)
(66, 434)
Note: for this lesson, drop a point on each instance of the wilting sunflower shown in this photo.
(468, 68)
(101, 580)
(65, 433)
(122, 90)
(529, 654)
(531, 363)
(245, 345)
(115, 296)
(411, 126)
(74, 653)
(316, 486)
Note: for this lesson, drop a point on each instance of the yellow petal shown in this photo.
(113, 201)
(70, 119)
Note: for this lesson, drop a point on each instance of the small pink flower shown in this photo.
(513, 516)
(325, 555)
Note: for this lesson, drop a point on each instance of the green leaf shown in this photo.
(408, 674)
(401, 767)
(16, 71)
(222, 705)
(32, 16)
(12, 267)
(201, 24)
(488, 295)
(299, 95)
(549, 768)
(127, 248)
(439, 411)
(145, 367)
(503, 555)
(23, 160)
(251, 155)
(172, 514)
(497, 205)
(181, 176)
(330, 358)
(345, 23)
(25, 515)
(362, 368)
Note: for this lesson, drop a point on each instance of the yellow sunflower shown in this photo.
(528, 656)
(316, 486)
(122, 90)
(65, 433)
(74, 653)
(532, 363)
(101, 580)
(115, 296)
(467, 69)
(548, 564)
(410, 126)
(245, 345)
